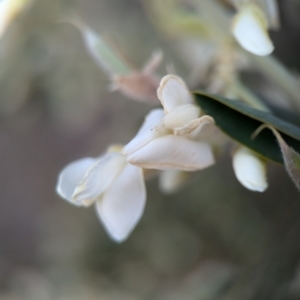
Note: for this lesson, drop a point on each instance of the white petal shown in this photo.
(71, 175)
(250, 30)
(123, 204)
(173, 92)
(146, 132)
(173, 152)
(170, 181)
(98, 179)
(250, 170)
(194, 127)
(181, 115)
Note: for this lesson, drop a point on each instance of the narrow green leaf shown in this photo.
(240, 121)
(105, 53)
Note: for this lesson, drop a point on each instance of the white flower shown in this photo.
(116, 187)
(250, 27)
(250, 170)
(168, 138)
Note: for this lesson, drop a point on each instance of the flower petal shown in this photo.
(250, 170)
(173, 152)
(123, 204)
(173, 92)
(98, 179)
(146, 132)
(71, 175)
(194, 127)
(250, 30)
(181, 115)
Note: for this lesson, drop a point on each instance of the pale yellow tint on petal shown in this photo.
(194, 126)
(181, 115)
(173, 92)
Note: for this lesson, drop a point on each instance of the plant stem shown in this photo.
(280, 76)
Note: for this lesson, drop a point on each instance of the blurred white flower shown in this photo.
(250, 28)
(9, 10)
(250, 170)
(116, 187)
(170, 181)
(168, 138)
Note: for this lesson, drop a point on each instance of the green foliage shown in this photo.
(240, 121)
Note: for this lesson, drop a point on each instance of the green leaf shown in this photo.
(240, 121)
(104, 52)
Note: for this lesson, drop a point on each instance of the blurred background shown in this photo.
(212, 240)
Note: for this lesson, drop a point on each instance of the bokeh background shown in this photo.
(211, 240)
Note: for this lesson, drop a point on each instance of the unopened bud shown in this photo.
(250, 170)
(250, 29)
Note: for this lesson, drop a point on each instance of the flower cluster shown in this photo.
(168, 137)
(169, 140)
(178, 138)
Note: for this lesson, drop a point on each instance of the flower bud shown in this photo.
(250, 170)
(250, 27)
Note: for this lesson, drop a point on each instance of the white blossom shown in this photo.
(116, 187)
(168, 137)
(250, 170)
(250, 28)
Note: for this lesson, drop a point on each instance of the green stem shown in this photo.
(280, 76)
